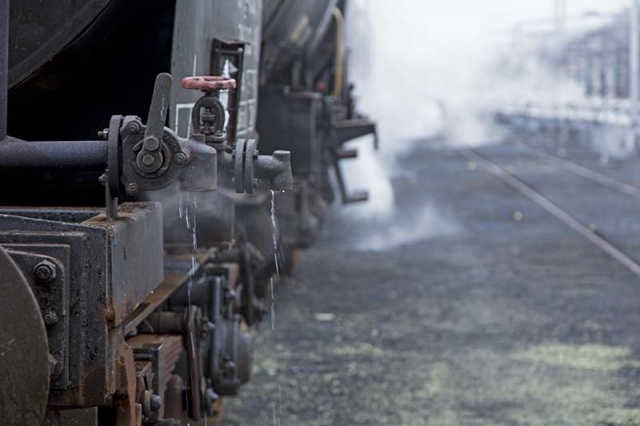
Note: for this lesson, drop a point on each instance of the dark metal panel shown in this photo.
(197, 24)
(88, 327)
(4, 65)
(73, 417)
(295, 27)
(52, 294)
(40, 31)
(270, 9)
(24, 371)
(291, 122)
(113, 266)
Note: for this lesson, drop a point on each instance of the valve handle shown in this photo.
(158, 111)
(208, 83)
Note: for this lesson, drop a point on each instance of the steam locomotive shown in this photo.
(141, 222)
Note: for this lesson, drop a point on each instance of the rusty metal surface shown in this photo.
(106, 257)
(24, 371)
(128, 410)
(134, 246)
(208, 83)
(170, 347)
(176, 275)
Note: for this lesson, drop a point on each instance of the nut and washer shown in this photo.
(45, 271)
(180, 158)
(50, 317)
(133, 128)
(133, 188)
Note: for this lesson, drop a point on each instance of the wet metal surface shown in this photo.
(500, 315)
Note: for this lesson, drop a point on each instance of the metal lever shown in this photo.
(158, 112)
(355, 196)
(344, 131)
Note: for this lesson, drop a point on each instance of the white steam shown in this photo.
(425, 72)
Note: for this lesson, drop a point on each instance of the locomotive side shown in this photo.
(135, 264)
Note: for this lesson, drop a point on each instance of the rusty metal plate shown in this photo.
(24, 353)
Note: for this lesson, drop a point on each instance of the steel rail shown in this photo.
(585, 173)
(552, 209)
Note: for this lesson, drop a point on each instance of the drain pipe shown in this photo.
(4, 66)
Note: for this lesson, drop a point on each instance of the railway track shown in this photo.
(582, 171)
(599, 239)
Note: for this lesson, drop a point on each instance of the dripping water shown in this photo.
(277, 406)
(187, 210)
(274, 228)
(273, 310)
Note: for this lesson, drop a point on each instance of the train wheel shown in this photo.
(24, 351)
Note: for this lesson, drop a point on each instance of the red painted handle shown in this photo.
(208, 83)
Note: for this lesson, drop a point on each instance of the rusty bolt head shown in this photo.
(50, 317)
(45, 271)
(133, 128)
(133, 188)
(180, 158)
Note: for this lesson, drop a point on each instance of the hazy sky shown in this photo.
(445, 20)
(425, 50)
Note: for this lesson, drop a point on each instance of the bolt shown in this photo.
(133, 128)
(103, 134)
(147, 159)
(150, 402)
(151, 144)
(156, 402)
(50, 317)
(133, 188)
(55, 367)
(45, 271)
(180, 158)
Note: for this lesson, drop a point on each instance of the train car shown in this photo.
(164, 161)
